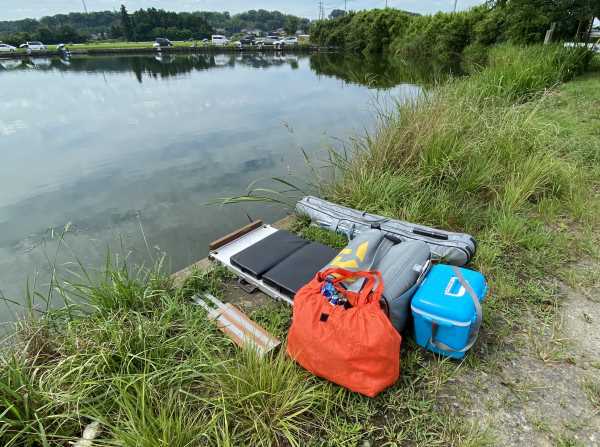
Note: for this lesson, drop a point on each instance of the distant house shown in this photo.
(251, 32)
(220, 31)
(300, 32)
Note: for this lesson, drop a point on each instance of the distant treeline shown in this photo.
(143, 25)
(447, 35)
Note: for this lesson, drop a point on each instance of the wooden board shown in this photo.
(237, 325)
(234, 235)
(243, 331)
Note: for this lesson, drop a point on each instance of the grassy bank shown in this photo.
(108, 45)
(477, 156)
(507, 154)
(121, 46)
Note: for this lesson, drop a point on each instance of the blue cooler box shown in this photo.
(446, 316)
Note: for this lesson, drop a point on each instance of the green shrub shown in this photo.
(444, 36)
(441, 36)
(366, 31)
(475, 57)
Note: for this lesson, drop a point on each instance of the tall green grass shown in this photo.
(478, 155)
(468, 148)
(152, 370)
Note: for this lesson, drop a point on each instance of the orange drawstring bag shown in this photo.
(354, 345)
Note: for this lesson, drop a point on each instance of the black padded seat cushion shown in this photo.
(299, 268)
(260, 257)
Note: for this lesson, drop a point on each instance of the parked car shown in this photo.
(289, 41)
(6, 48)
(219, 41)
(34, 46)
(248, 40)
(161, 42)
(270, 40)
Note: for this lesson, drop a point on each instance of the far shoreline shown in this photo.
(102, 49)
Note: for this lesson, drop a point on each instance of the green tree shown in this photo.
(585, 12)
(16, 39)
(291, 24)
(68, 34)
(45, 35)
(115, 32)
(337, 13)
(141, 24)
(126, 24)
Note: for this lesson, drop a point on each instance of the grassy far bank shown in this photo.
(101, 45)
(86, 47)
(123, 45)
(118, 44)
(506, 154)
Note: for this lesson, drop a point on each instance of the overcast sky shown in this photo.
(18, 9)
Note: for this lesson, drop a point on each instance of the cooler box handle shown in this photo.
(453, 290)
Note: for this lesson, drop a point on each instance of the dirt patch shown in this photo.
(234, 294)
(582, 323)
(528, 402)
(525, 400)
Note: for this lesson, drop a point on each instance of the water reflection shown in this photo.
(373, 72)
(159, 65)
(111, 145)
(379, 72)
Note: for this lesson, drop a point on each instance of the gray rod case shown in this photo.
(446, 246)
(402, 266)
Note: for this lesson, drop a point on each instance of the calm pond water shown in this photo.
(128, 151)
